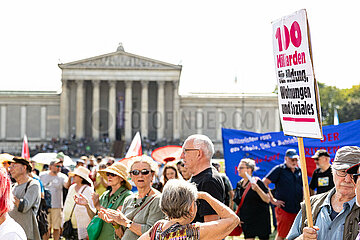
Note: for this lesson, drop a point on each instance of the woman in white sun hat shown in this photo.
(80, 218)
(116, 176)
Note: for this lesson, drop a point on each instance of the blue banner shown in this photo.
(268, 149)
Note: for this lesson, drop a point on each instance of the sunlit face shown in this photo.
(141, 180)
(55, 168)
(190, 156)
(170, 173)
(321, 161)
(242, 169)
(77, 179)
(17, 169)
(113, 179)
(291, 162)
(344, 183)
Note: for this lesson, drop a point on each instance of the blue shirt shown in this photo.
(288, 186)
(329, 230)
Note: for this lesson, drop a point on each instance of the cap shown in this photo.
(54, 161)
(60, 155)
(291, 153)
(346, 157)
(320, 153)
(22, 161)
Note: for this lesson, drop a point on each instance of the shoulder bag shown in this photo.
(68, 228)
(95, 226)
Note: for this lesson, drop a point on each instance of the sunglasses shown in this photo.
(110, 174)
(137, 172)
(355, 176)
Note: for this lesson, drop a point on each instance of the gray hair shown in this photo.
(177, 198)
(202, 142)
(144, 159)
(250, 164)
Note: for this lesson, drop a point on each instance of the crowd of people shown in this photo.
(187, 199)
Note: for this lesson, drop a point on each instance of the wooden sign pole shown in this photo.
(305, 182)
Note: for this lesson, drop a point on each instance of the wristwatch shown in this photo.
(128, 225)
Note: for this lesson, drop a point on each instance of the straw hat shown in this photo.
(6, 157)
(118, 169)
(82, 172)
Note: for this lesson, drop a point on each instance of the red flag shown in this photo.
(25, 153)
(135, 147)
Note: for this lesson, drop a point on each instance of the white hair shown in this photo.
(202, 142)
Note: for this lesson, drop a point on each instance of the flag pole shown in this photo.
(305, 182)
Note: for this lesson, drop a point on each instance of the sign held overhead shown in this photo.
(299, 102)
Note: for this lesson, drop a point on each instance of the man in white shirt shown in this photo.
(53, 180)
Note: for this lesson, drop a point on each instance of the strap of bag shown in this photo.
(116, 198)
(75, 203)
(151, 199)
(27, 185)
(153, 232)
(243, 196)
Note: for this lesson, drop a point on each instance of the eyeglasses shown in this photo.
(58, 166)
(189, 150)
(293, 159)
(355, 176)
(137, 172)
(239, 168)
(342, 173)
(110, 174)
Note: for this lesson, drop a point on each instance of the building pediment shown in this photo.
(119, 60)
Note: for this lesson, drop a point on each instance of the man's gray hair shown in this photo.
(202, 142)
(177, 198)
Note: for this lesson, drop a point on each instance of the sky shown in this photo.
(223, 46)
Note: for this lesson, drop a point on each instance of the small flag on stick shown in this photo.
(25, 153)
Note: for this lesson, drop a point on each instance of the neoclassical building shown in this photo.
(117, 94)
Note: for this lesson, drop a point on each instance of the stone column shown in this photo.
(3, 122)
(64, 111)
(22, 121)
(43, 122)
(112, 111)
(144, 108)
(199, 120)
(220, 117)
(80, 110)
(128, 110)
(176, 111)
(160, 110)
(277, 120)
(96, 110)
(258, 126)
(238, 118)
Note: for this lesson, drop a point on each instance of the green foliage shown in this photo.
(347, 101)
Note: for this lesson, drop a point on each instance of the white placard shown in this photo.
(299, 102)
(251, 179)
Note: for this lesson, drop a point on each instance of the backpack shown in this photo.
(41, 216)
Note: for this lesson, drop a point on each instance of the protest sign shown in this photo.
(299, 104)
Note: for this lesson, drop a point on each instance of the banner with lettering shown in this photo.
(268, 149)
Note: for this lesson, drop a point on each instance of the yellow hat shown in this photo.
(118, 169)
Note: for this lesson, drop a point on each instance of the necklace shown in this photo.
(136, 205)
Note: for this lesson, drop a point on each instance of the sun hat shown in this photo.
(6, 157)
(346, 157)
(82, 172)
(22, 161)
(118, 169)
